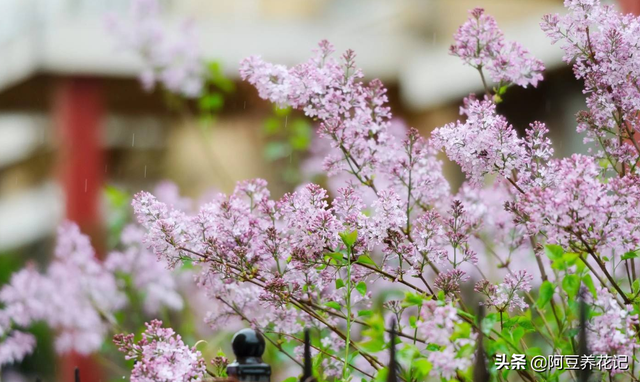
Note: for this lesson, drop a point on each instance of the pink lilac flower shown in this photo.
(576, 206)
(485, 143)
(161, 356)
(481, 44)
(436, 326)
(73, 296)
(613, 330)
(15, 346)
(429, 237)
(168, 228)
(445, 363)
(312, 225)
(171, 57)
(150, 275)
(504, 297)
(389, 215)
(497, 235)
(603, 45)
(354, 117)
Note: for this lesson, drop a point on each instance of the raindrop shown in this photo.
(85, 184)
(244, 106)
(145, 171)
(286, 120)
(133, 139)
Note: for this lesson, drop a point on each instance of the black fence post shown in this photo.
(248, 346)
(480, 372)
(392, 375)
(307, 371)
(584, 372)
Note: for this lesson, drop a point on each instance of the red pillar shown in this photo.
(78, 111)
(630, 6)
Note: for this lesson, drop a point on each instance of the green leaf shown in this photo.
(187, 264)
(570, 257)
(461, 330)
(520, 322)
(588, 282)
(276, 150)
(433, 347)
(553, 251)
(374, 345)
(364, 313)
(272, 126)
(630, 255)
(339, 283)
(421, 368)
(335, 256)
(362, 288)
(290, 379)
(349, 238)
(517, 334)
(281, 111)
(333, 305)
(381, 376)
(412, 299)
(212, 102)
(365, 259)
(412, 321)
(488, 322)
(546, 294)
(571, 285)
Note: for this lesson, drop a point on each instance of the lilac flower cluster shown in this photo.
(275, 263)
(481, 44)
(170, 58)
(613, 330)
(149, 275)
(484, 143)
(161, 356)
(504, 297)
(76, 296)
(603, 45)
(437, 326)
(355, 119)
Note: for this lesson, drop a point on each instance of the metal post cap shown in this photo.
(248, 343)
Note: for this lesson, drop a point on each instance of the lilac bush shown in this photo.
(532, 235)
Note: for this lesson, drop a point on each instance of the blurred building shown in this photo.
(61, 77)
